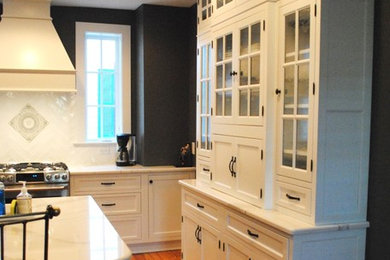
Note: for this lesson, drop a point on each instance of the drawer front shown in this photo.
(203, 171)
(124, 204)
(257, 235)
(201, 206)
(293, 197)
(81, 185)
(128, 227)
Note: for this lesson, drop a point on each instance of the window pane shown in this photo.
(219, 3)
(228, 46)
(243, 103)
(210, 61)
(228, 103)
(219, 76)
(219, 100)
(219, 49)
(108, 54)
(304, 34)
(254, 102)
(244, 35)
(203, 133)
(255, 37)
(107, 87)
(303, 89)
(301, 160)
(290, 37)
(92, 89)
(228, 77)
(255, 70)
(288, 128)
(108, 124)
(93, 55)
(203, 62)
(203, 100)
(289, 90)
(244, 72)
(204, 14)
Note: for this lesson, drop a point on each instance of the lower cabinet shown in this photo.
(218, 226)
(144, 208)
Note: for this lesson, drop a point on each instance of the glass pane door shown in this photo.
(295, 91)
(224, 75)
(249, 70)
(205, 96)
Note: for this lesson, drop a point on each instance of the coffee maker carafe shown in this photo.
(125, 155)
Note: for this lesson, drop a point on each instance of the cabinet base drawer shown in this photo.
(293, 197)
(203, 207)
(126, 203)
(257, 235)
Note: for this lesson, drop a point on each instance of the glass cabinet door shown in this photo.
(205, 10)
(224, 75)
(204, 92)
(294, 95)
(249, 71)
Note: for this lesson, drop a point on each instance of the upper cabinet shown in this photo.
(292, 78)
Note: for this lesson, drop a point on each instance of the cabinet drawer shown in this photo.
(128, 227)
(257, 235)
(293, 197)
(104, 183)
(203, 207)
(125, 203)
(203, 170)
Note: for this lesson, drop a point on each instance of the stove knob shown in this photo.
(56, 176)
(48, 177)
(10, 178)
(64, 177)
(2, 178)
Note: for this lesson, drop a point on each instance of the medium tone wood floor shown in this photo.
(165, 255)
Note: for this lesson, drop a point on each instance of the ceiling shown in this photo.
(122, 4)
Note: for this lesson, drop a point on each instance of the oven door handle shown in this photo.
(32, 188)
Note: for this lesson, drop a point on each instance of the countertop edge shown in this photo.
(112, 169)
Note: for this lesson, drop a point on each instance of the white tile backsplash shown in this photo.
(55, 142)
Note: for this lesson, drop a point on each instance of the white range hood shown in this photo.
(32, 56)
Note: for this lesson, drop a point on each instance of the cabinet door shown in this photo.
(296, 90)
(224, 76)
(223, 162)
(249, 169)
(249, 63)
(189, 242)
(209, 243)
(205, 69)
(165, 206)
(232, 252)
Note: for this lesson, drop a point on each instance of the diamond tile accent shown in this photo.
(28, 123)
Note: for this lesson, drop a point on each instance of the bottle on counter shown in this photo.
(24, 200)
(2, 199)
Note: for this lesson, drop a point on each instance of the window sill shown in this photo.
(94, 144)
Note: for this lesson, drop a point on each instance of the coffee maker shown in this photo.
(126, 150)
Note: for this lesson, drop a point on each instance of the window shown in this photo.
(103, 69)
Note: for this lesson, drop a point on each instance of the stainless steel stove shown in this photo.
(42, 179)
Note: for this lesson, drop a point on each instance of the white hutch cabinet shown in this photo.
(284, 135)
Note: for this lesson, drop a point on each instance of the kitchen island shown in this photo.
(80, 232)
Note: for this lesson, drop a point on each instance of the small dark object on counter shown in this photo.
(185, 157)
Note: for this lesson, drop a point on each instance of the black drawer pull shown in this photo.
(252, 234)
(108, 204)
(107, 183)
(292, 197)
(206, 170)
(199, 206)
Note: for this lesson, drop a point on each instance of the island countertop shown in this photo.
(80, 232)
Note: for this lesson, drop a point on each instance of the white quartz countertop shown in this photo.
(82, 170)
(80, 232)
(278, 220)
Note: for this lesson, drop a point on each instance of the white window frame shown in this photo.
(125, 93)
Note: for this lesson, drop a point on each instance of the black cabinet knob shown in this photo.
(151, 181)
(278, 91)
(233, 73)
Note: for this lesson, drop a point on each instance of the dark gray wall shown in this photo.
(378, 214)
(165, 49)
